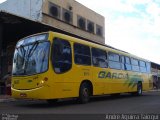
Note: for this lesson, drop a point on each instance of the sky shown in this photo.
(131, 25)
(2, 1)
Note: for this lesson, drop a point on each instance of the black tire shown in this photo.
(84, 93)
(139, 89)
(52, 101)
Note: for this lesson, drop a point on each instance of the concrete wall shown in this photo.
(78, 10)
(38, 10)
(31, 9)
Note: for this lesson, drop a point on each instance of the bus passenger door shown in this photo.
(64, 78)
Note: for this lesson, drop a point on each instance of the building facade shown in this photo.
(67, 15)
(20, 18)
(155, 69)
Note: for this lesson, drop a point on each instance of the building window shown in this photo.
(99, 30)
(54, 10)
(67, 16)
(90, 26)
(81, 23)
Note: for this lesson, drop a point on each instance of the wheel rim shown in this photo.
(85, 93)
(139, 89)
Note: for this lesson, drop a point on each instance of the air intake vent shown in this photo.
(54, 10)
(99, 30)
(81, 23)
(90, 26)
(67, 16)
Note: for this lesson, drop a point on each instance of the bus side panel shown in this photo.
(118, 81)
(147, 84)
(67, 84)
(101, 84)
(133, 78)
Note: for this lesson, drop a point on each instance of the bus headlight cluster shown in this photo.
(42, 82)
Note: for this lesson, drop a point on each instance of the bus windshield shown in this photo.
(31, 58)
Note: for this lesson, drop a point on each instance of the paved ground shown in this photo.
(6, 98)
(148, 103)
(100, 108)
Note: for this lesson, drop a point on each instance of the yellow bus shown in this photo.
(52, 66)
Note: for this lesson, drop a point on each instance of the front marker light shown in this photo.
(42, 82)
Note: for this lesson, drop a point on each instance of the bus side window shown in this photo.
(62, 55)
(114, 61)
(135, 65)
(82, 55)
(125, 63)
(128, 63)
(99, 58)
(148, 66)
(142, 65)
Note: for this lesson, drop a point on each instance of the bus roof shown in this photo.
(89, 43)
(97, 45)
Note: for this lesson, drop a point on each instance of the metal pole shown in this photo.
(1, 39)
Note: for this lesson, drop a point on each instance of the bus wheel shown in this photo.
(52, 101)
(84, 93)
(139, 89)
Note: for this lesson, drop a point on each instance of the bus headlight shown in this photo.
(42, 82)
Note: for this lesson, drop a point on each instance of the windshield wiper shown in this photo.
(21, 52)
(30, 53)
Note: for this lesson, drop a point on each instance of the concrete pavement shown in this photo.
(8, 98)
(125, 103)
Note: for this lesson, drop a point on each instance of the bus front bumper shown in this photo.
(36, 93)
